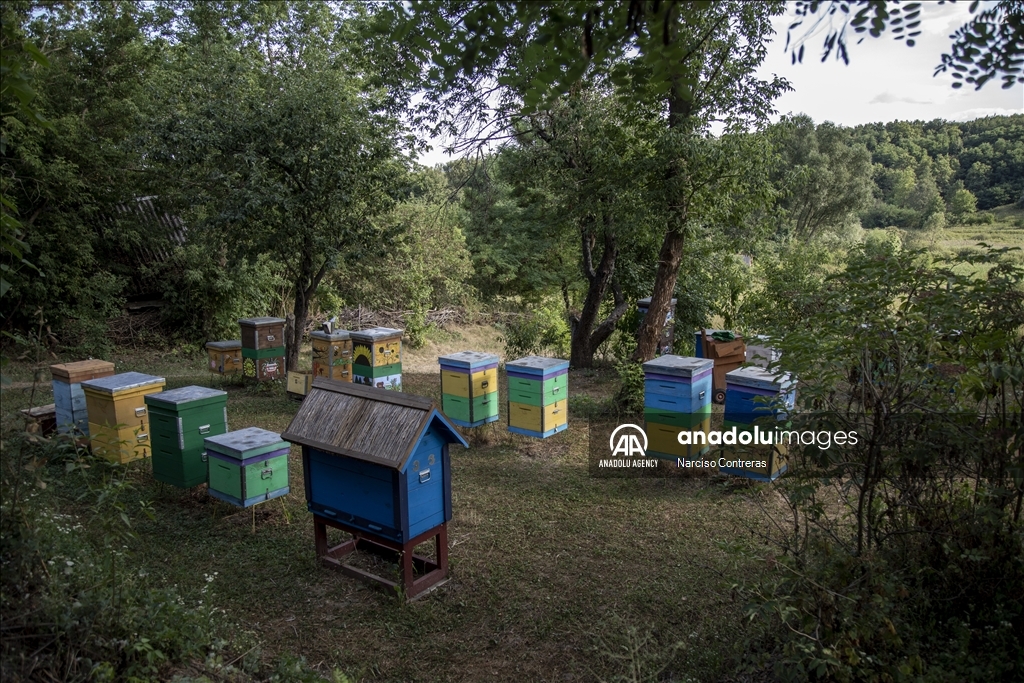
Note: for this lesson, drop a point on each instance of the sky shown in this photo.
(885, 80)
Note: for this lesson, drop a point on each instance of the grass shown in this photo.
(555, 575)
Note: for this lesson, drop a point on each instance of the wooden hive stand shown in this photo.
(432, 573)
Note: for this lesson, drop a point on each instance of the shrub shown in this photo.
(903, 554)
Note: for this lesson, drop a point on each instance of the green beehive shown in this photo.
(179, 421)
(248, 466)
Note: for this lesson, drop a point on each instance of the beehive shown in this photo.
(179, 422)
(225, 356)
(754, 395)
(667, 337)
(677, 398)
(332, 355)
(298, 384)
(469, 388)
(377, 357)
(263, 348)
(376, 465)
(538, 390)
(68, 396)
(247, 466)
(760, 353)
(118, 416)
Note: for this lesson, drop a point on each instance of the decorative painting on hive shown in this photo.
(362, 355)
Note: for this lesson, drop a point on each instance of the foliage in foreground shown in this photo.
(904, 554)
(74, 610)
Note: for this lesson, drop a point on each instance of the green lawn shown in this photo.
(555, 575)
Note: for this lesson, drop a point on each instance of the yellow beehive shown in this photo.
(118, 415)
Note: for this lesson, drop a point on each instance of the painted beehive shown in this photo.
(225, 356)
(118, 416)
(752, 396)
(538, 390)
(677, 398)
(263, 348)
(667, 338)
(375, 460)
(377, 357)
(332, 354)
(247, 466)
(469, 388)
(179, 422)
(68, 396)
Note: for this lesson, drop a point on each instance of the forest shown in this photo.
(170, 167)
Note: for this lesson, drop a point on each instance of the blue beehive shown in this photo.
(68, 395)
(677, 398)
(753, 396)
(375, 460)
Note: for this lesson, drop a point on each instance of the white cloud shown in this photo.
(889, 98)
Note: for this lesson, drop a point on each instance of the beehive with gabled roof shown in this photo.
(375, 460)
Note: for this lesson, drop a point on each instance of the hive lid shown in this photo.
(759, 378)
(336, 335)
(679, 366)
(255, 322)
(468, 359)
(194, 395)
(230, 345)
(246, 443)
(537, 365)
(375, 333)
(124, 381)
(82, 370)
(375, 425)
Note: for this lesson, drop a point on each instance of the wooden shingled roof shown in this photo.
(365, 423)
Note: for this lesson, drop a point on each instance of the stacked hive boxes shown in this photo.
(469, 388)
(118, 417)
(225, 356)
(377, 357)
(68, 396)
(537, 396)
(247, 466)
(750, 393)
(677, 398)
(263, 348)
(179, 421)
(667, 338)
(332, 355)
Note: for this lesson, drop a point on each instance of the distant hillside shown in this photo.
(918, 164)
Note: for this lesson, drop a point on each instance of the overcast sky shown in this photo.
(885, 80)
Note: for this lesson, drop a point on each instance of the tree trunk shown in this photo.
(671, 255)
(585, 337)
(669, 258)
(301, 314)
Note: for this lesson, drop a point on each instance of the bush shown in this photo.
(980, 218)
(902, 556)
(543, 330)
(73, 609)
